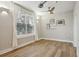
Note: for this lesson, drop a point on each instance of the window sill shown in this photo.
(23, 36)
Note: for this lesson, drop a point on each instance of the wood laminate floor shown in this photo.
(44, 48)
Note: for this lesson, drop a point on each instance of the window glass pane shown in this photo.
(30, 25)
(21, 25)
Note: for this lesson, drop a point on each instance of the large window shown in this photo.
(24, 23)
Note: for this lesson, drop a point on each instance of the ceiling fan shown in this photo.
(50, 10)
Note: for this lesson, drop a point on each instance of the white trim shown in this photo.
(75, 43)
(57, 40)
(10, 49)
(23, 36)
(14, 42)
(77, 52)
(6, 50)
(35, 27)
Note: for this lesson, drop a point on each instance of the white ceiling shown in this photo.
(60, 7)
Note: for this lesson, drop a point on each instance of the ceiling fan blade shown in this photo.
(52, 8)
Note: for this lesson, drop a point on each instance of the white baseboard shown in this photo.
(5, 51)
(10, 49)
(57, 40)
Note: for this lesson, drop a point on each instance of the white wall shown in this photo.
(64, 32)
(6, 27)
(76, 26)
(38, 26)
